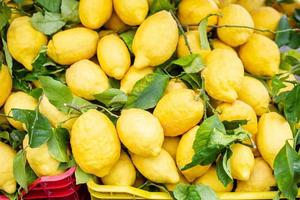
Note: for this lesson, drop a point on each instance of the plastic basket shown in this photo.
(2, 197)
(126, 192)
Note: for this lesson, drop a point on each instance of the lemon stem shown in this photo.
(107, 110)
(73, 107)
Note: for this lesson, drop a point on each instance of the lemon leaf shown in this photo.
(5, 14)
(112, 98)
(191, 63)
(8, 58)
(19, 170)
(81, 176)
(57, 144)
(234, 124)
(147, 91)
(282, 38)
(194, 192)
(292, 105)
(127, 37)
(158, 5)
(193, 80)
(50, 5)
(294, 42)
(223, 168)
(69, 11)
(16, 138)
(202, 28)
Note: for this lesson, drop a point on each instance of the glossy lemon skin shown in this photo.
(217, 44)
(170, 145)
(6, 84)
(175, 84)
(115, 23)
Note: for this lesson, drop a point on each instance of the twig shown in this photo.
(73, 107)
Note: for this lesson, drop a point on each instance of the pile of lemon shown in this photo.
(155, 143)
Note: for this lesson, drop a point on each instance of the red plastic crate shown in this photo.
(2, 197)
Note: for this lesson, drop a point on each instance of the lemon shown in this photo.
(224, 3)
(231, 35)
(191, 12)
(241, 162)
(24, 42)
(193, 38)
(185, 153)
(217, 44)
(103, 33)
(251, 4)
(171, 187)
(155, 40)
(19, 100)
(95, 144)
(56, 117)
(7, 182)
(113, 56)
(289, 8)
(266, 18)
(40, 160)
(159, 169)
(261, 179)
(179, 111)
(72, 45)
(140, 132)
(131, 12)
(132, 76)
(85, 79)
(175, 84)
(115, 23)
(223, 75)
(260, 56)
(211, 179)
(6, 84)
(123, 172)
(239, 110)
(273, 132)
(254, 93)
(94, 13)
(170, 145)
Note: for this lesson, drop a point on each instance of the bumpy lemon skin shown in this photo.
(6, 84)
(95, 144)
(113, 56)
(217, 44)
(223, 75)
(72, 45)
(231, 35)
(251, 4)
(185, 153)
(24, 42)
(170, 145)
(19, 100)
(155, 40)
(94, 13)
(123, 172)
(159, 169)
(260, 56)
(7, 182)
(85, 79)
(175, 84)
(115, 24)
(179, 111)
(131, 12)
(273, 132)
(140, 132)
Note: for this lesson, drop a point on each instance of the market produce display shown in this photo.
(188, 97)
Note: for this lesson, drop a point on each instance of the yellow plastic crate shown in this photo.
(108, 192)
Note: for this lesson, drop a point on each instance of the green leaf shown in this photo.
(114, 83)
(81, 176)
(58, 143)
(36, 93)
(193, 80)
(50, 5)
(30, 175)
(38, 127)
(206, 193)
(292, 105)
(4, 135)
(112, 98)
(234, 124)
(127, 37)
(223, 168)
(294, 40)
(284, 37)
(69, 11)
(202, 28)
(5, 14)
(67, 165)
(147, 91)
(289, 59)
(8, 58)
(287, 171)
(194, 192)
(191, 63)
(48, 23)
(16, 138)
(277, 85)
(19, 170)
(158, 5)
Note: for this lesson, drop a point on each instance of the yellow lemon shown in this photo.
(289, 8)
(217, 44)
(223, 75)
(140, 132)
(7, 182)
(103, 33)
(224, 3)
(95, 144)
(6, 84)
(113, 56)
(24, 42)
(19, 100)
(191, 12)
(115, 23)
(273, 132)
(261, 179)
(131, 12)
(251, 4)
(85, 79)
(170, 145)
(155, 40)
(40, 160)
(241, 162)
(123, 172)
(56, 117)
(260, 56)
(211, 179)
(132, 76)
(254, 93)
(179, 111)
(159, 169)
(94, 13)
(193, 38)
(185, 153)
(266, 18)
(182, 180)
(175, 84)
(234, 36)
(72, 45)
(238, 110)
